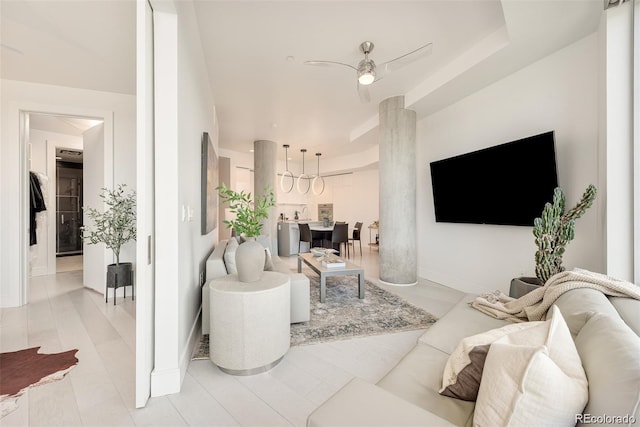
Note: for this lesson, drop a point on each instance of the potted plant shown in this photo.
(247, 225)
(552, 231)
(114, 227)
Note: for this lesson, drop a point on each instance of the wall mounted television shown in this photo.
(506, 184)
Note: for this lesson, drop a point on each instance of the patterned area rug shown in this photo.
(343, 315)
(27, 368)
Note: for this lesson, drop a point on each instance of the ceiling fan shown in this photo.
(367, 70)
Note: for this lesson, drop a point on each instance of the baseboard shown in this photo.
(170, 381)
(194, 337)
(165, 382)
(39, 271)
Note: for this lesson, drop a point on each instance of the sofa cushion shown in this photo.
(541, 381)
(629, 311)
(230, 256)
(460, 322)
(215, 262)
(463, 371)
(417, 379)
(610, 351)
(363, 404)
(575, 303)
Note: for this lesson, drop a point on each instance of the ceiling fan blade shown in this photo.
(363, 92)
(329, 64)
(405, 59)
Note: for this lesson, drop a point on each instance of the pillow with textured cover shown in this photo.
(541, 382)
(463, 371)
(268, 262)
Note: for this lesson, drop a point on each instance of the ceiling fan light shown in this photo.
(366, 78)
(366, 72)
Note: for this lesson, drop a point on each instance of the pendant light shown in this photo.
(318, 181)
(307, 178)
(286, 175)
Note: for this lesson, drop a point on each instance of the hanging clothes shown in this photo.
(36, 205)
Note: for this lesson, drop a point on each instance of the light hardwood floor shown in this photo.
(100, 390)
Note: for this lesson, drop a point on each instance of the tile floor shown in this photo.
(68, 263)
(100, 390)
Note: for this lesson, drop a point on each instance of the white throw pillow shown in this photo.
(527, 382)
(230, 256)
(463, 371)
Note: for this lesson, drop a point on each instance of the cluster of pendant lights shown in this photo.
(305, 182)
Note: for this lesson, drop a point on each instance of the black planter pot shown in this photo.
(523, 285)
(119, 276)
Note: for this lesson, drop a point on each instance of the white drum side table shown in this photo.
(249, 322)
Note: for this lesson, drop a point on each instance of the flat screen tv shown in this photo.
(507, 184)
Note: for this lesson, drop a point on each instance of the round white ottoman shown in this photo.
(249, 322)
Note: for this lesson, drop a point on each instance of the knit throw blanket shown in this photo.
(534, 305)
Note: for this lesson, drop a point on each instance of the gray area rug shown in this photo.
(343, 315)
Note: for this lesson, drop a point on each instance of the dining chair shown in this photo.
(339, 236)
(356, 236)
(305, 235)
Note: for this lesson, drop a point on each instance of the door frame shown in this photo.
(24, 111)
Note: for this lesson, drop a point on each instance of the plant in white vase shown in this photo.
(250, 256)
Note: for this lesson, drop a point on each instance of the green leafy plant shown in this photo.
(117, 224)
(249, 215)
(555, 229)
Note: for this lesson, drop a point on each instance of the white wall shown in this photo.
(43, 255)
(195, 116)
(18, 96)
(619, 146)
(355, 198)
(559, 92)
(184, 110)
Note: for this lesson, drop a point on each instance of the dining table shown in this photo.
(321, 232)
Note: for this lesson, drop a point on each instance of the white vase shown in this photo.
(250, 260)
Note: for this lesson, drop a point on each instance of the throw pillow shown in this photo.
(268, 262)
(230, 256)
(609, 351)
(463, 371)
(539, 383)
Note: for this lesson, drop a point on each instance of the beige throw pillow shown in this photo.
(610, 353)
(463, 371)
(536, 383)
(230, 256)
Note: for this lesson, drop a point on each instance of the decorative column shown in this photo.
(398, 258)
(264, 178)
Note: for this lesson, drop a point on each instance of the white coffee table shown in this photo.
(316, 265)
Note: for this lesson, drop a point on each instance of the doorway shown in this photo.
(57, 156)
(69, 202)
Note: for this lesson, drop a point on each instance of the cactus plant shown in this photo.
(555, 229)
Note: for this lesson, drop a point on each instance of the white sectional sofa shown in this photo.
(409, 394)
(216, 266)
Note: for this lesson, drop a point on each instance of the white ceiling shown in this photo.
(66, 125)
(82, 44)
(259, 94)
